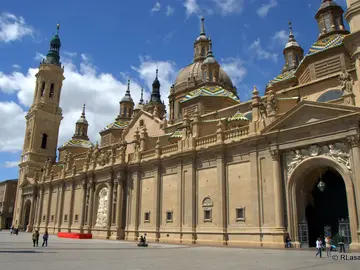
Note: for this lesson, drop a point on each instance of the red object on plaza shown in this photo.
(75, 235)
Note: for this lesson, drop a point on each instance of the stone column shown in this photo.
(61, 208)
(71, 205)
(48, 210)
(354, 142)
(157, 200)
(278, 190)
(83, 205)
(32, 211)
(91, 204)
(21, 210)
(40, 207)
(119, 203)
(221, 176)
(110, 203)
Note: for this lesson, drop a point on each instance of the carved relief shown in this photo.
(346, 81)
(101, 217)
(337, 151)
(104, 158)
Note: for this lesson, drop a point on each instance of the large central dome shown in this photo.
(192, 74)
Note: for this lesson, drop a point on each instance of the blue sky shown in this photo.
(106, 42)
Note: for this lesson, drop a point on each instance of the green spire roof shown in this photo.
(53, 56)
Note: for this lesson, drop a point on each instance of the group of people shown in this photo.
(328, 246)
(14, 230)
(36, 236)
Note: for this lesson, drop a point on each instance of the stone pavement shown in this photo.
(17, 253)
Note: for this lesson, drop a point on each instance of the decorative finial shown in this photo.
(141, 97)
(202, 26)
(210, 45)
(157, 72)
(128, 87)
(57, 28)
(83, 112)
(255, 91)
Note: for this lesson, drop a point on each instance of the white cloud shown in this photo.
(11, 164)
(234, 67)
(16, 66)
(169, 10)
(264, 10)
(101, 92)
(167, 74)
(191, 7)
(229, 6)
(13, 27)
(280, 37)
(156, 7)
(210, 7)
(262, 54)
(70, 54)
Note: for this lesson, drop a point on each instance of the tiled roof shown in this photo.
(283, 76)
(238, 116)
(326, 43)
(78, 143)
(117, 125)
(215, 91)
(175, 137)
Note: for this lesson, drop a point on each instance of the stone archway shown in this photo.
(297, 176)
(26, 215)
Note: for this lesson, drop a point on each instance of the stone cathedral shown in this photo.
(213, 169)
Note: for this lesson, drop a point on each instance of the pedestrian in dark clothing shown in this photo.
(341, 244)
(319, 247)
(45, 239)
(35, 238)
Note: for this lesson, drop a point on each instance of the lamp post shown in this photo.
(321, 185)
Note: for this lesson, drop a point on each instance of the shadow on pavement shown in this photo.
(23, 251)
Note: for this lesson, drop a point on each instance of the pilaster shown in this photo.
(48, 210)
(157, 199)
(222, 188)
(61, 208)
(83, 205)
(71, 204)
(91, 203)
(110, 203)
(40, 208)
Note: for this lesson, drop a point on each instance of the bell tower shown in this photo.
(42, 128)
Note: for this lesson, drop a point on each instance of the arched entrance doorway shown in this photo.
(317, 209)
(322, 203)
(26, 219)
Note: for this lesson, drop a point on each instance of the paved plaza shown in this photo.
(17, 253)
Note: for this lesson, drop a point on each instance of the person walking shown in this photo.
(288, 242)
(328, 245)
(319, 247)
(35, 238)
(341, 244)
(45, 239)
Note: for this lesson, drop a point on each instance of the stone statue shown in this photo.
(346, 82)
(293, 160)
(101, 217)
(89, 155)
(95, 153)
(104, 158)
(270, 105)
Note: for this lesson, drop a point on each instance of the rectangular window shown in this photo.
(207, 215)
(44, 218)
(76, 218)
(147, 217)
(240, 214)
(52, 218)
(169, 216)
(65, 218)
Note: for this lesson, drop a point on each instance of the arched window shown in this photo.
(51, 93)
(330, 95)
(248, 115)
(141, 122)
(42, 88)
(125, 111)
(210, 76)
(327, 23)
(207, 205)
(203, 51)
(204, 78)
(290, 59)
(44, 141)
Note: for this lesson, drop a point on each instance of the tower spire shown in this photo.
(291, 34)
(202, 32)
(83, 112)
(53, 56)
(128, 88)
(142, 96)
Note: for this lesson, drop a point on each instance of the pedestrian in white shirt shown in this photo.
(318, 247)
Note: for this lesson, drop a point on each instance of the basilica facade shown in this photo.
(214, 169)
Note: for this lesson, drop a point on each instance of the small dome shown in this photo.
(82, 121)
(55, 40)
(292, 44)
(194, 71)
(127, 98)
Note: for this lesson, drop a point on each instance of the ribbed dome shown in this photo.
(194, 71)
